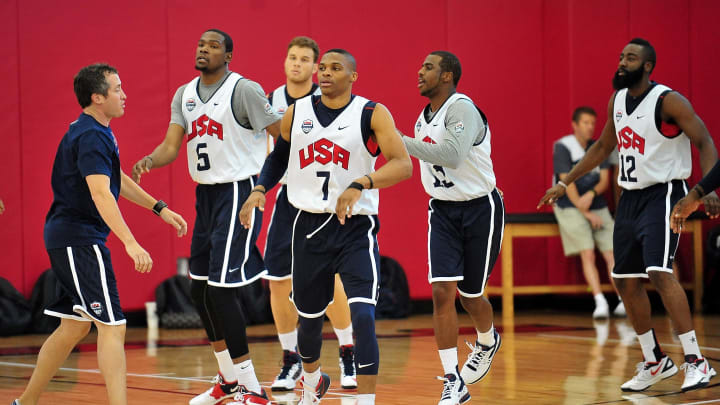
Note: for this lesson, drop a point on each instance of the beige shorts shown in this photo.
(577, 234)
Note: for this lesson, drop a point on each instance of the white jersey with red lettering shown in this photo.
(219, 149)
(474, 177)
(646, 155)
(325, 160)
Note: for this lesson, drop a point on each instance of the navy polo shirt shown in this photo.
(73, 220)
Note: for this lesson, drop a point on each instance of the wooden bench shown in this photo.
(545, 225)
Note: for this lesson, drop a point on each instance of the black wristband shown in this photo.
(698, 189)
(257, 190)
(356, 186)
(159, 207)
(372, 185)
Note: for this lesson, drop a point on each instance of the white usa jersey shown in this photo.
(280, 104)
(219, 149)
(325, 160)
(473, 178)
(647, 156)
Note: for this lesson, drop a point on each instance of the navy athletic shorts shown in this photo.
(464, 239)
(322, 247)
(223, 252)
(278, 255)
(86, 285)
(642, 239)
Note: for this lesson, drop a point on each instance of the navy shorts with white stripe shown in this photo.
(223, 252)
(86, 285)
(464, 239)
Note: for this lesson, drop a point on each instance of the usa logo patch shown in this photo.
(307, 126)
(190, 104)
(268, 108)
(96, 307)
(459, 127)
(618, 115)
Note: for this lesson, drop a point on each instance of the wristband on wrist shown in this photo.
(356, 186)
(149, 157)
(593, 191)
(257, 190)
(159, 205)
(560, 182)
(372, 185)
(699, 190)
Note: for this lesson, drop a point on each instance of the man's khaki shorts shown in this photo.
(577, 234)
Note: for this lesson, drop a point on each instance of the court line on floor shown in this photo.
(570, 337)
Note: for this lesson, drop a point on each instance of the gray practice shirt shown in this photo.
(248, 104)
(455, 149)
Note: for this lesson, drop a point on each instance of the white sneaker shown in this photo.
(289, 374)
(455, 391)
(648, 373)
(348, 380)
(602, 310)
(479, 360)
(219, 392)
(247, 397)
(697, 374)
(620, 310)
(312, 395)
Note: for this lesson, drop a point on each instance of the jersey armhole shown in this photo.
(292, 123)
(232, 105)
(485, 123)
(366, 128)
(666, 129)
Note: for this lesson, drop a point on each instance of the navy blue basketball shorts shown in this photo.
(223, 252)
(464, 239)
(322, 247)
(642, 239)
(87, 290)
(278, 255)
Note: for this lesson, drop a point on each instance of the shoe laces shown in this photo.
(312, 392)
(477, 354)
(691, 369)
(288, 363)
(217, 379)
(448, 388)
(347, 358)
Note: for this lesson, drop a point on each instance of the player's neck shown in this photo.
(98, 115)
(439, 98)
(582, 141)
(297, 90)
(208, 78)
(640, 88)
(336, 101)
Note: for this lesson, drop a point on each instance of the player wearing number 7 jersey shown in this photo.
(222, 116)
(652, 127)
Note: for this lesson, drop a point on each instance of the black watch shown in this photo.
(159, 207)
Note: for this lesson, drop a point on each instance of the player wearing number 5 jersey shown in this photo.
(466, 218)
(652, 127)
(221, 115)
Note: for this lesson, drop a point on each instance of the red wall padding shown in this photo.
(526, 63)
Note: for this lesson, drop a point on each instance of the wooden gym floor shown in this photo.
(545, 358)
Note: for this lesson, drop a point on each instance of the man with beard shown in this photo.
(300, 66)
(466, 219)
(652, 127)
(223, 115)
(329, 146)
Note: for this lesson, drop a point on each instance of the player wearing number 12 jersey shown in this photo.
(222, 116)
(652, 127)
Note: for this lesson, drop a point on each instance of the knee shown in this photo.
(280, 287)
(362, 316)
(443, 294)
(471, 303)
(74, 330)
(662, 281)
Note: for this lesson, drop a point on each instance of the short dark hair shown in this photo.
(582, 110)
(91, 80)
(449, 63)
(648, 50)
(347, 55)
(306, 42)
(227, 41)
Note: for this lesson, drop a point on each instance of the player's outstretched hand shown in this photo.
(345, 203)
(141, 258)
(552, 195)
(682, 210)
(141, 167)
(712, 205)
(2, 207)
(255, 199)
(175, 220)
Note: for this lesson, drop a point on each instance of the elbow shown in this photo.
(407, 169)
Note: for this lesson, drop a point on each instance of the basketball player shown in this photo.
(466, 218)
(300, 66)
(86, 182)
(223, 115)
(328, 146)
(652, 127)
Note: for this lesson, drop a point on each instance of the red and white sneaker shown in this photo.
(219, 392)
(648, 373)
(698, 373)
(311, 396)
(246, 397)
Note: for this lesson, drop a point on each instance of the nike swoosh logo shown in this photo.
(365, 365)
(341, 128)
(233, 270)
(639, 116)
(656, 369)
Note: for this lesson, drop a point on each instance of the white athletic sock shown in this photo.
(246, 376)
(344, 335)
(600, 300)
(449, 360)
(225, 365)
(288, 341)
(366, 399)
(689, 344)
(487, 338)
(311, 380)
(647, 344)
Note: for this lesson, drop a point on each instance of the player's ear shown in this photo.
(315, 68)
(228, 57)
(447, 77)
(97, 98)
(353, 77)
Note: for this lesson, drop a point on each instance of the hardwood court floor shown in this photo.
(545, 358)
